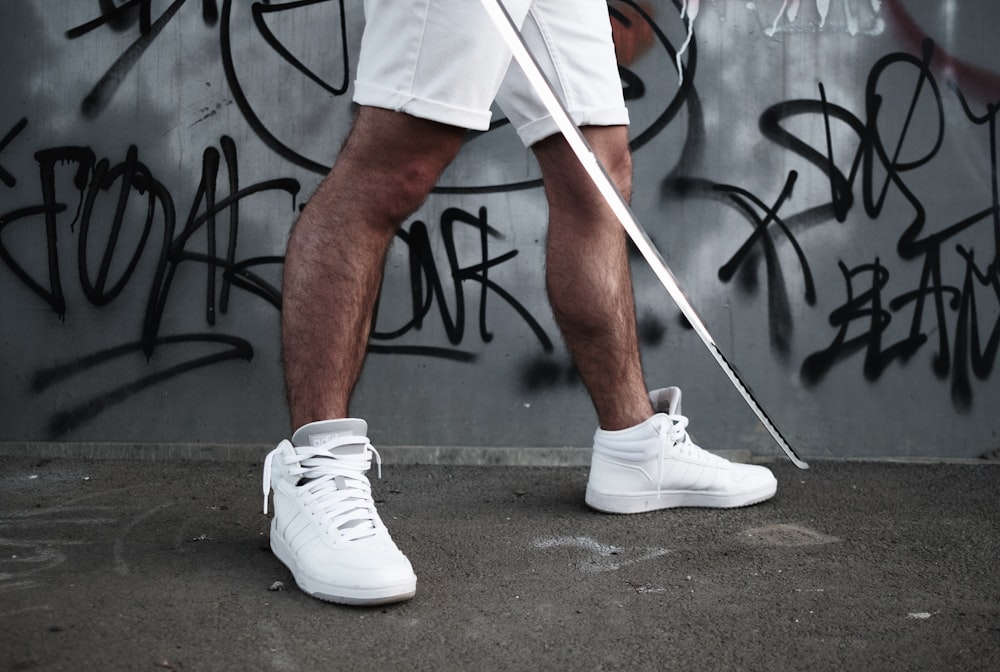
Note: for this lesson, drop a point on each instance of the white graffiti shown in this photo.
(689, 11)
(851, 16)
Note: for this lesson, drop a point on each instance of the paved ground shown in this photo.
(142, 565)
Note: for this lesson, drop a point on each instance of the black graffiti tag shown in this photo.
(890, 149)
(112, 241)
(121, 17)
(428, 287)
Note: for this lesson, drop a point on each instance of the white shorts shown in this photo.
(444, 60)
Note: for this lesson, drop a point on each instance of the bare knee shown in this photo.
(407, 183)
(567, 183)
(396, 159)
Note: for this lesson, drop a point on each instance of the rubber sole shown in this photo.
(653, 501)
(331, 592)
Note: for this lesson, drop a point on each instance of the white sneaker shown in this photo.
(655, 465)
(325, 526)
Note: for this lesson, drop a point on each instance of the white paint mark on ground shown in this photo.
(118, 550)
(24, 558)
(919, 615)
(601, 557)
(26, 610)
(786, 534)
(274, 649)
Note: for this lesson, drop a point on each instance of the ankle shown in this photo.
(636, 442)
(626, 418)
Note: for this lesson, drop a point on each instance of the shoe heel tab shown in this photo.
(268, 480)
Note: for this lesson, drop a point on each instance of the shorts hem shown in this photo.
(540, 129)
(377, 96)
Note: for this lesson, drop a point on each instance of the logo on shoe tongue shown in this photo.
(319, 440)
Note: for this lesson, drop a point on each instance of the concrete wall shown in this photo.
(823, 182)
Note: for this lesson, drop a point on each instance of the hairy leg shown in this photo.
(588, 276)
(336, 253)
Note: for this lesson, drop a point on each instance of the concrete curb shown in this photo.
(499, 456)
(216, 452)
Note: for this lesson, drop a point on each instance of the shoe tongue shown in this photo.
(317, 434)
(667, 400)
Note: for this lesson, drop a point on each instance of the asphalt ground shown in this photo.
(164, 565)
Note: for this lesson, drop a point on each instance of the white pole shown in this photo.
(543, 89)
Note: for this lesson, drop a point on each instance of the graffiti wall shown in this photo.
(821, 175)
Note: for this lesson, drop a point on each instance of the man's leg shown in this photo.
(325, 527)
(588, 276)
(336, 254)
(641, 461)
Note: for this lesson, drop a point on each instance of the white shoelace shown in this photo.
(335, 484)
(675, 434)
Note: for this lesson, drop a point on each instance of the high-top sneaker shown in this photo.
(655, 465)
(325, 527)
